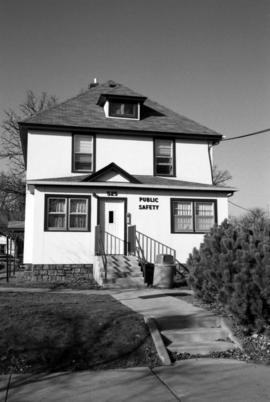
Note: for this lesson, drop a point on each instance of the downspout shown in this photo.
(210, 146)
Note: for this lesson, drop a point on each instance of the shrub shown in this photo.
(232, 268)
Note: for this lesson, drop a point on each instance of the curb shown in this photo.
(225, 324)
(157, 339)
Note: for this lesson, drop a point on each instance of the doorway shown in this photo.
(112, 220)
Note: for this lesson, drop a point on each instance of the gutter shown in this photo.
(130, 185)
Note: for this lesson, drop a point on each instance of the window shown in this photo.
(83, 153)
(121, 109)
(164, 152)
(193, 216)
(110, 216)
(67, 213)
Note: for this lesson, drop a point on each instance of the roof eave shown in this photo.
(130, 185)
(213, 138)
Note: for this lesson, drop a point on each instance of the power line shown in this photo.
(247, 135)
(239, 206)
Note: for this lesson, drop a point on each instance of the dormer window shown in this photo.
(121, 106)
(123, 109)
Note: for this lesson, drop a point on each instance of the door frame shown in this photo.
(125, 215)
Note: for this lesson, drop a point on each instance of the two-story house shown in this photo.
(106, 161)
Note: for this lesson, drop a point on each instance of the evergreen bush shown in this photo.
(232, 268)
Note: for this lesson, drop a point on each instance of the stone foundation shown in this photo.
(57, 273)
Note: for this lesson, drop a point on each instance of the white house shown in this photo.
(106, 161)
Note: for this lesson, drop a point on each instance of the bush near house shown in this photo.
(232, 268)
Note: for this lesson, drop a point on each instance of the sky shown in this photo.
(208, 60)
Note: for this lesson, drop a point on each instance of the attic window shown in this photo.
(123, 109)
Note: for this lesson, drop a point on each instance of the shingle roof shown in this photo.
(142, 179)
(83, 111)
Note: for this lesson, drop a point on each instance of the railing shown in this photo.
(181, 269)
(99, 249)
(111, 244)
(151, 247)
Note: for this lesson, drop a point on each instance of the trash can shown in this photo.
(148, 273)
(165, 270)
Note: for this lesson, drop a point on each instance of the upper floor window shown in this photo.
(123, 109)
(164, 155)
(193, 215)
(83, 156)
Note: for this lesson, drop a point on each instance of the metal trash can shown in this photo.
(165, 270)
(148, 273)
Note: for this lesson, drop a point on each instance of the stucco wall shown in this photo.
(50, 155)
(41, 247)
(193, 162)
(78, 248)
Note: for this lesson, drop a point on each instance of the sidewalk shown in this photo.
(202, 380)
(184, 327)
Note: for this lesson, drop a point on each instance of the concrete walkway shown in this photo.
(184, 327)
(202, 380)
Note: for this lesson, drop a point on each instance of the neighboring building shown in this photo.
(114, 158)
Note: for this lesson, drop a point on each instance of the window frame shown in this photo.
(73, 170)
(67, 197)
(193, 201)
(134, 116)
(173, 174)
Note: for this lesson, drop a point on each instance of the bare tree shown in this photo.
(10, 137)
(220, 176)
(12, 186)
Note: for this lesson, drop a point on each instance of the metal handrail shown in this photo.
(184, 270)
(151, 247)
(100, 249)
(113, 244)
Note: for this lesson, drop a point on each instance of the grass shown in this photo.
(55, 332)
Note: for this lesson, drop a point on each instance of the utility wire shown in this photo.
(247, 135)
(239, 206)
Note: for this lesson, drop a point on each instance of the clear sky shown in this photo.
(206, 59)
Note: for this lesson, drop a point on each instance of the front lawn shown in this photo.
(53, 332)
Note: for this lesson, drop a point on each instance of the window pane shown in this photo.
(57, 221)
(164, 169)
(205, 217)
(77, 221)
(183, 224)
(83, 144)
(183, 219)
(57, 205)
(77, 205)
(130, 109)
(116, 108)
(123, 109)
(164, 148)
(83, 162)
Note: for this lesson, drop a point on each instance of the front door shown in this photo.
(112, 222)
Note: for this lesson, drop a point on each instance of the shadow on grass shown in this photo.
(77, 343)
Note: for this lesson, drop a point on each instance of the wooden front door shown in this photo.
(112, 220)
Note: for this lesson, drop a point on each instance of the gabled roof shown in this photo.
(111, 168)
(83, 111)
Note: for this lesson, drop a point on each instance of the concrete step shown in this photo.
(200, 348)
(196, 335)
(125, 283)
